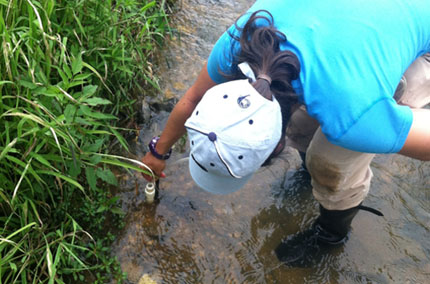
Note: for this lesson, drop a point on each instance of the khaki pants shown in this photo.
(341, 177)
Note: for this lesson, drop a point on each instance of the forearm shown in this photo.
(417, 143)
(174, 128)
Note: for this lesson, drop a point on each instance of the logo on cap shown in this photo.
(243, 102)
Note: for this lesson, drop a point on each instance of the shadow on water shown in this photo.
(190, 236)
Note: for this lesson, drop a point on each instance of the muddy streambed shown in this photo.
(190, 236)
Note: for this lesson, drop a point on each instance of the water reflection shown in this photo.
(190, 236)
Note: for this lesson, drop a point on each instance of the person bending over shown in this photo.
(342, 80)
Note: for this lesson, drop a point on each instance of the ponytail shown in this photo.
(260, 47)
(274, 69)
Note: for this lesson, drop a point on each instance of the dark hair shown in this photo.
(259, 42)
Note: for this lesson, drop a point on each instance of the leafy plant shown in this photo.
(68, 74)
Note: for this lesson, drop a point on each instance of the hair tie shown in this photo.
(265, 77)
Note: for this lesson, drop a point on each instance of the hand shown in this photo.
(156, 165)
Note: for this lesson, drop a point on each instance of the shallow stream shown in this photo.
(190, 236)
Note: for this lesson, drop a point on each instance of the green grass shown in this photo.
(69, 75)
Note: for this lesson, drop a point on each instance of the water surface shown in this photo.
(190, 236)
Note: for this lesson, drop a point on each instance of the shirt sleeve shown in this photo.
(382, 128)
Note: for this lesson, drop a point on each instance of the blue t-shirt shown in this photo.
(352, 54)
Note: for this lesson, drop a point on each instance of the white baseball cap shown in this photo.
(232, 131)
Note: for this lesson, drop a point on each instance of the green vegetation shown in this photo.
(68, 72)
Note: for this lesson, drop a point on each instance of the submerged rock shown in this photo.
(146, 279)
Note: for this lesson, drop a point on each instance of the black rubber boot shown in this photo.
(333, 225)
(328, 232)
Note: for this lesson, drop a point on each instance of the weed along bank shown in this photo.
(70, 73)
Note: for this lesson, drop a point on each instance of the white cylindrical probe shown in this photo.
(150, 192)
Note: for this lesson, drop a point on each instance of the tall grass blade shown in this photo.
(70, 72)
